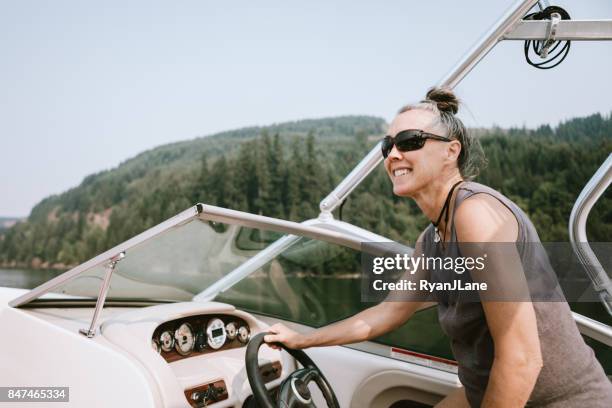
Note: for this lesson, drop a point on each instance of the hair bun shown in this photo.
(445, 99)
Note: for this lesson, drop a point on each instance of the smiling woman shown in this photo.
(504, 349)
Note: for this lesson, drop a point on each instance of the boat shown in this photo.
(174, 316)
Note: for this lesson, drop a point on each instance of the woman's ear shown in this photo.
(453, 150)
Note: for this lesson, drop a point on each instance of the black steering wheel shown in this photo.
(294, 392)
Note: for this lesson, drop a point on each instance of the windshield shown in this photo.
(176, 264)
(182, 257)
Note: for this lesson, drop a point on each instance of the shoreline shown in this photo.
(40, 267)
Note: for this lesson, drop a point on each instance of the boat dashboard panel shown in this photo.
(196, 335)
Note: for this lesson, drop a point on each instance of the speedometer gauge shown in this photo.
(215, 333)
(231, 330)
(185, 339)
(244, 334)
(166, 339)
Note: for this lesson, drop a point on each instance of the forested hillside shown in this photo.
(7, 222)
(284, 171)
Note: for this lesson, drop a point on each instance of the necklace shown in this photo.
(444, 211)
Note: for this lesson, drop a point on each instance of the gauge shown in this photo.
(244, 334)
(231, 330)
(185, 340)
(200, 341)
(155, 345)
(167, 341)
(215, 332)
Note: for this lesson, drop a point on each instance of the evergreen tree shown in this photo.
(277, 166)
(201, 189)
(311, 187)
(294, 182)
(263, 203)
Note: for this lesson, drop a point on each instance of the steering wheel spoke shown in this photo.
(294, 392)
(306, 375)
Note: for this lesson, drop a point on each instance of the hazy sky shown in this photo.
(84, 85)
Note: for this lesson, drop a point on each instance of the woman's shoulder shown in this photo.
(486, 216)
(472, 189)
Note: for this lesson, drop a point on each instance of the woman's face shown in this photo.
(412, 171)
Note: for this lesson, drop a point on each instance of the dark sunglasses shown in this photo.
(407, 140)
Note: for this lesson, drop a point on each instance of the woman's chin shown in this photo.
(403, 189)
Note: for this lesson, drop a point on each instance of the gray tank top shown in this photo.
(571, 376)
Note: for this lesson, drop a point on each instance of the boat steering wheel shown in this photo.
(294, 392)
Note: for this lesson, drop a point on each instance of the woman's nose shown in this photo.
(394, 154)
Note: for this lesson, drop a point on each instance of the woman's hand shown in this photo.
(283, 334)
(365, 325)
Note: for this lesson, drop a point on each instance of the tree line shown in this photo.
(284, 171)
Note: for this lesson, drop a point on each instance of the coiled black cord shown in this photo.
(556, 53)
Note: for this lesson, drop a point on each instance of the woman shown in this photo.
(509, 353)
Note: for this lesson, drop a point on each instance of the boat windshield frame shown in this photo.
(203, 212)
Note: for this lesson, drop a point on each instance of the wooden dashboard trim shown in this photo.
(220, 386)
(198, 324)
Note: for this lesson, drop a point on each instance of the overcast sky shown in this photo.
(86, 85)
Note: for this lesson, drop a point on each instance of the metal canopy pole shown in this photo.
(596, 186)
(567, 30)
(346, 186)
(503, 25)
(542, 4)
(482, 47)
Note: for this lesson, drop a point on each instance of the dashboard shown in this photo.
(195, 352)
(196, 335)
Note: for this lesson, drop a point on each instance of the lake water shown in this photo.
(26, 279)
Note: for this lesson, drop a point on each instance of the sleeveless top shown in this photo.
(571, 376)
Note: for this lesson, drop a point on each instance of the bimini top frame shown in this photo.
(509, 26)
(596, 186)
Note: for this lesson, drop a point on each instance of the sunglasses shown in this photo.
(408, 140)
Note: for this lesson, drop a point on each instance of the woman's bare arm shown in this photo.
(368, 324)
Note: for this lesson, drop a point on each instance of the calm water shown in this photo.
(26, 279)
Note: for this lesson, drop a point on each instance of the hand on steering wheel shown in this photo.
(294, 390)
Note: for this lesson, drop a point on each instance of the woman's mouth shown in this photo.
(401, 171)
